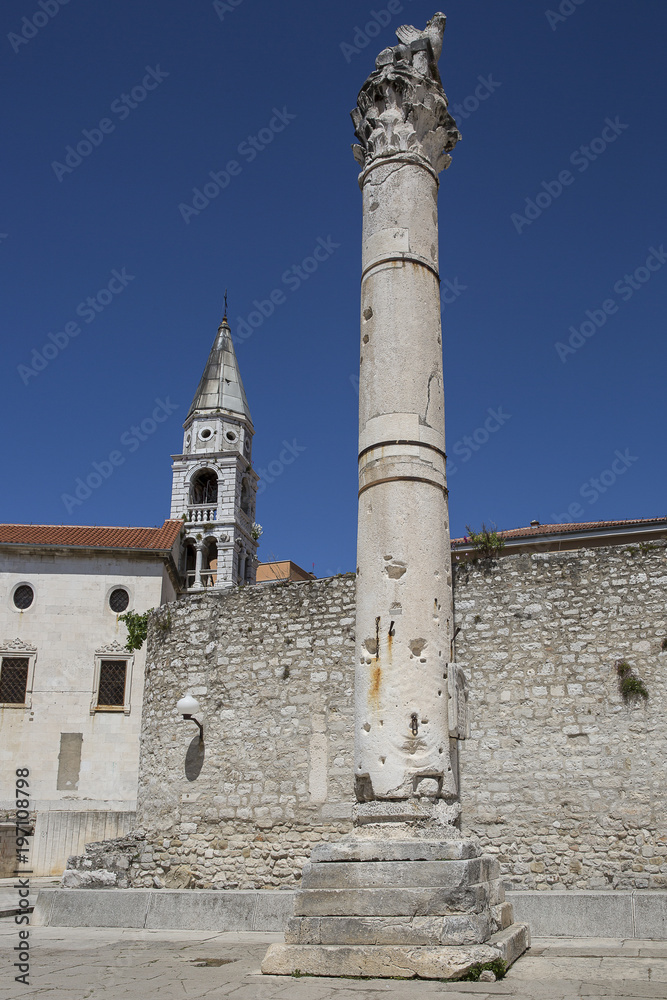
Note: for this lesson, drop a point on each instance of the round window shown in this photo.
(205, 433)
(23, 596)
(119, 600)
(231, 436)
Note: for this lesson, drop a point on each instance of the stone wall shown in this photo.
(272, 668)
(562, 780)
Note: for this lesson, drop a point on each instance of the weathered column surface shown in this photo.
(404, 589)
(405, 894)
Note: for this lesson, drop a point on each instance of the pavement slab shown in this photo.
(128, 964)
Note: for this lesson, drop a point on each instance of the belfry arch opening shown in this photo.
(209, 575)
(189, 563)
(204, 488)
(246, 497)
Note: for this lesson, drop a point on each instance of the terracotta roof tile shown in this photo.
(562, 529)
(74, 536)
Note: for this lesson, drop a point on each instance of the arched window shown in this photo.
(210, 563)
(246, 497)
(189, 563)
(204, 488)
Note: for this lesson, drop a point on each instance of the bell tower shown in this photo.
(214, 484)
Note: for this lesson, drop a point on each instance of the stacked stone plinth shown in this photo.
(400, 907)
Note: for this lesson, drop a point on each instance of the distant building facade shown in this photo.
(285, 569)
(70, 690)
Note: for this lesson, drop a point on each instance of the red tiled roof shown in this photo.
(67, 536)
(562, 529)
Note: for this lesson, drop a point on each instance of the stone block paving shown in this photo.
(119, 964)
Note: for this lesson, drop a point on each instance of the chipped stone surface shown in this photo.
(356, 849)
(399, 874)
(402, 107)
(404, 600)
(457, 929)
(386, 961)
(406, 901)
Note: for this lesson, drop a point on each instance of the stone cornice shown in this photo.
(112, 647)
(18, 646)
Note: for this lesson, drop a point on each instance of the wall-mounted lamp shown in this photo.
(187, 706)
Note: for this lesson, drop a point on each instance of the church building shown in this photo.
(70, 691)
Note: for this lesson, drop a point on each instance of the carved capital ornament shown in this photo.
(402, 107)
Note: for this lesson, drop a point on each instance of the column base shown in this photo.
(395, 961)
(398, 906)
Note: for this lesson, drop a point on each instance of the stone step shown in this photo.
(398, 902)
(397, 874)
(454, 930)
(394, 961)
(357, 849)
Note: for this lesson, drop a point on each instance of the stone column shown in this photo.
(199, 560)
(404, 589)
(405, 894)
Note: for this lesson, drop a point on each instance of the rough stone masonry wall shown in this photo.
(564, 781)
(272, 668)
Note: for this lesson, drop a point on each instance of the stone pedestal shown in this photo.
(398, 907)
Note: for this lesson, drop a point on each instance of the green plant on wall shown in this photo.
(137, 628)
(486, 544)
(630, 686)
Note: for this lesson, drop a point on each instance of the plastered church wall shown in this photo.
(68, 621)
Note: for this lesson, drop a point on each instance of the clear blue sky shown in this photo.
(217, 78)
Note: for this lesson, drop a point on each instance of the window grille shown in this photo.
(112, 683)
(23, 596)
(13, 680)
(119, 600)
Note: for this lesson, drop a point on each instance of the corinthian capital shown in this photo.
(402, 107)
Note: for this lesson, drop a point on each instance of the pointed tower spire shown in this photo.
(214, 484)
(221, 386)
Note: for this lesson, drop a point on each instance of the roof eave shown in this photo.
(562, 536)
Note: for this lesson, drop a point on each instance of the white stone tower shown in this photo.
(214, 484)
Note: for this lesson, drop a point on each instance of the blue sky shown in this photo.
(579, 90)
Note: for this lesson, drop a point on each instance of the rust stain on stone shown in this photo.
(376, 680)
